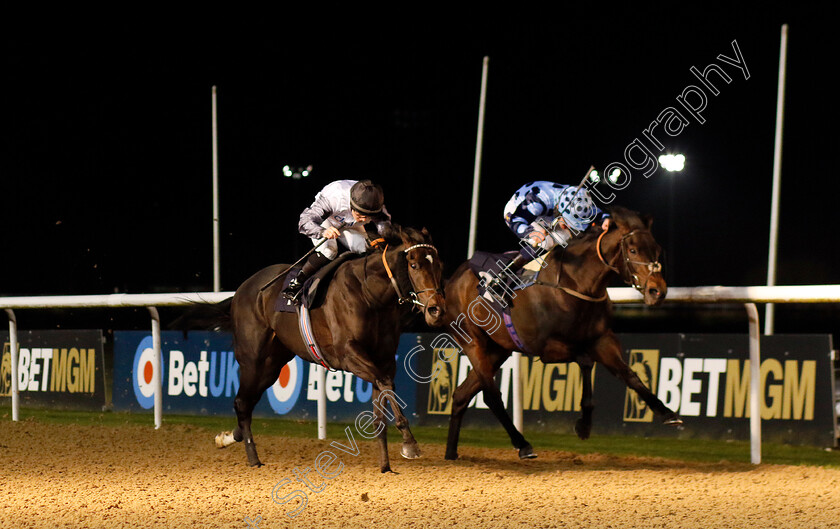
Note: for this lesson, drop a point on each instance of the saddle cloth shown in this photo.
(312, 295)
(315, 288)
(487, 266)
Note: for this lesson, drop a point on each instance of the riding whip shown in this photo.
(556, 220)
(307, 254)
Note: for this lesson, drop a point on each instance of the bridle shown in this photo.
(634, 281)
(413, 293)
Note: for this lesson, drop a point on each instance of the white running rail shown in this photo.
(710, 294)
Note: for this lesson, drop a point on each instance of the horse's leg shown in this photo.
(410, 449)
(583, 426)
(481, 378)
(252, 384)
(260, 357)
(383, 386)
(607, 350)
(461, 398)
(381, 425)
(493, 398)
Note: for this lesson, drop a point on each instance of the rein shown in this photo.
(574, 293)
(652, 266)
(601, 257)
(412, 295)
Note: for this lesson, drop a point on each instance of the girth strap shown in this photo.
(308, 335)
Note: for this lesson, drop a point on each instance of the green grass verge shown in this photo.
(696, 450)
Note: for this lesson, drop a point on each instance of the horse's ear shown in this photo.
(392, 233)
(426, 235)
(647, 219)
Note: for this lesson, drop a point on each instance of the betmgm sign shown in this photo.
(56, 369)
(704, 378)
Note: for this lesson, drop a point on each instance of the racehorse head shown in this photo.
(639, 265)
(424, 269)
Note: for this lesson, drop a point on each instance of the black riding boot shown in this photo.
(315, 262)
(517, 264)
(494, 285)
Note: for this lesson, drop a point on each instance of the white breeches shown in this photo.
(552, 238)
(352, 237)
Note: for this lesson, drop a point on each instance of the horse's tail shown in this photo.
(205, 317)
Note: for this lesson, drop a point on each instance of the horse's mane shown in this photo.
(620, 216)
(395, 235)
(629, 218)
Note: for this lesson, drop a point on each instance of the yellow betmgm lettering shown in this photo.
(737, 389)
(556, 403)
(773, 392)
(73, 370)
(574, 387)
(799, 390)
(86, 371)
(531, 382)
(560, 392)
(788, 393)
(59, 370)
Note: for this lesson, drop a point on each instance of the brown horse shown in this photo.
(564, 317)
(357, 328)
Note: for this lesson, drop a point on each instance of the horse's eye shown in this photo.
(414, 265)
(633, 251)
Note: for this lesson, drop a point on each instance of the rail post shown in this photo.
(322, 401)
(13, 345)
(755, 384)
(517, 390)
(157, 383)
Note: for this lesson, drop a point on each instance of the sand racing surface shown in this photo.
(100, 477)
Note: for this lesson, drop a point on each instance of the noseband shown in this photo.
(652, 266)
(413, 294)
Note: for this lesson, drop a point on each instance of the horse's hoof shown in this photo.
(224, 439)
(672, 419)
(451, 456)
(255, 464)
(386, 468)
(410, 451)
(582, 429)
(527, 452)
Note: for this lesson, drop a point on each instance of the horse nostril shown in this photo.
(653, 292)
(434, 311)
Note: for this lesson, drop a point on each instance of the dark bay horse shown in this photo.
(556, 322)
(357, 328)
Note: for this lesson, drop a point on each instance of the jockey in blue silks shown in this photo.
(544, 214)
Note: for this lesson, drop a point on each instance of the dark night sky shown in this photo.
(106, 155)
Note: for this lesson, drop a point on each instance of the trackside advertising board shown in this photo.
(704, 378)
(56, 369)
(201, 376)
